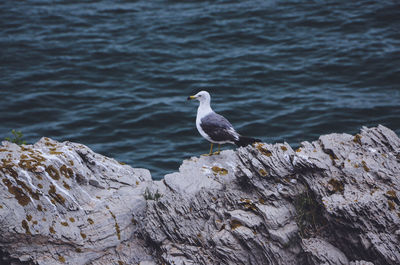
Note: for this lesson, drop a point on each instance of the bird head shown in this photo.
(202, 96)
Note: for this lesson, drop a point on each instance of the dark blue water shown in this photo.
(115, 75)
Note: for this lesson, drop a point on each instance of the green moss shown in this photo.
(72, 219)
(29, 217)
(40, 186)
(78, 250)
(64, 223)
(39, 207)
(150, 196)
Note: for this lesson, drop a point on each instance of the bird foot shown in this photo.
(217, 153)
(206, 154)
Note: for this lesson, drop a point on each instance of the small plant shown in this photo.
(309, 217)
(148, 196)
(17, 137)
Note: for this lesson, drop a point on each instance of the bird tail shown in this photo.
(244, 141)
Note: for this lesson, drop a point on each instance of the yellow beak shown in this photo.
(191, 97)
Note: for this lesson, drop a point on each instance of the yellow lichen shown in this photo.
(263, 172)
(72, 219)
(26, 227)
(21, 197)
(40, 186)
(66, 171)
(235, 224)
(284, 148)
(39, 207)
(357, 139)
(66, 185)
(29, 217)
(364, 164)
(218, 170)
(391, 205)
(53, 172)
(116, 226)
(263, 150)
(61, 259)
(336, 185)
(90, 220)
(64, 223)
(83, 235)
(392, 194)
(57, 197)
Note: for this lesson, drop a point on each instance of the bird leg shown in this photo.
(218, 152)
(211, 153)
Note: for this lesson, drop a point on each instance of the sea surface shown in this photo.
(115, 75)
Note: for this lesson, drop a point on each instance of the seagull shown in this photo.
(214, 127)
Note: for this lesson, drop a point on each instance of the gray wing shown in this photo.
(218, 128)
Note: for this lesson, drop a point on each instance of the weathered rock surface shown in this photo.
(62, 203)
(332, 201)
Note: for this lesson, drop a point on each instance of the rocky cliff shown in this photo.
(332, 201)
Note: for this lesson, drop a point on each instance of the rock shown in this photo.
(332, 201)
(63, 203)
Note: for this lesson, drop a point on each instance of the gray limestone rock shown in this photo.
(61, 203)
(331, 201)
